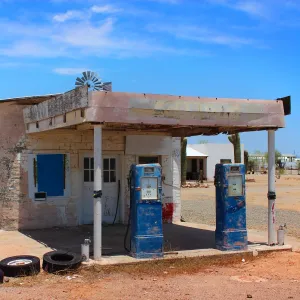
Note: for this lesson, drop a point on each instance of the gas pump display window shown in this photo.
(149, 188)
(235, 186)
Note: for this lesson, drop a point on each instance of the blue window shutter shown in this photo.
(50, 174)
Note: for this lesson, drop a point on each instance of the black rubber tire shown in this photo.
(1, 276)
(32, 268)
(61, 261)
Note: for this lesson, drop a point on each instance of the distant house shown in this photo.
(260, 160)
(204, 157)
(287, 158)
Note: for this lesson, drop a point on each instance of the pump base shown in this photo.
(147, 246)
(231, 240)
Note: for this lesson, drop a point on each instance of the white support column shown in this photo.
(97, 192)
(271, 188)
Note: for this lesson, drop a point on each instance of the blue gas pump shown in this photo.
(231, 230)
(146, 211)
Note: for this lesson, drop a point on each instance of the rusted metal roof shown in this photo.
(185, 116)
(175, 115)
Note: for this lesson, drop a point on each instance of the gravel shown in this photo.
(203, 212)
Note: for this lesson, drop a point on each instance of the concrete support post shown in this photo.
(97, 192)
(271, 188)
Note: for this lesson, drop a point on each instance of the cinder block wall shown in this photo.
(18, 211)
(73, 142)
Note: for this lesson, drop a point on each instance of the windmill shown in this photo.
(93, 82)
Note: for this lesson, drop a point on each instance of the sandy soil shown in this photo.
(276, 275)
(287, 191)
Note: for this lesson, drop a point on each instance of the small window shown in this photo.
(88, 169)
(109, 170)
(148, 160)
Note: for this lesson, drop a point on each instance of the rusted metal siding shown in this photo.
(184, 111)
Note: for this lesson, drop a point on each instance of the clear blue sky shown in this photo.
(217, 48)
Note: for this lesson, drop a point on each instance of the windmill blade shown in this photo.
(84, 75)
(79, 80)
(88, 75)
(93, 81)
(107, 86)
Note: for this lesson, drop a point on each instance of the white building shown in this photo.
(287, 158)
(204, 157)
(260, 160)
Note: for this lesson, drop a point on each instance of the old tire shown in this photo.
(21, 265)
(61, 261)
(1, 276)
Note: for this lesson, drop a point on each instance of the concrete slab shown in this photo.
(212, 253)
(184, 239)
(15, 243)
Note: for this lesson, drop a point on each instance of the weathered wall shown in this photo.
(16, 209)
(66, 212)
(61, 104)
(12, 143)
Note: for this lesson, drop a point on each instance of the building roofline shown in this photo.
(37, 98)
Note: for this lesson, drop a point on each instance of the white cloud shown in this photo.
(105, 9)
(32, 49)
(86, 35)
(250, 7)
(69, 71)
(202, 35)
(69, 15)
(254, 8)
(83, 38)
(167, 1)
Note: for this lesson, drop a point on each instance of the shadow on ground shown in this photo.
(176, 237)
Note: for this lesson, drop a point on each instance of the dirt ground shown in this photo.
(287, 192)
(263, 277)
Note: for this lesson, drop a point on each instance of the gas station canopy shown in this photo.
(176, 115)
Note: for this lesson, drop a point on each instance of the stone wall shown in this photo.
(12, 143)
